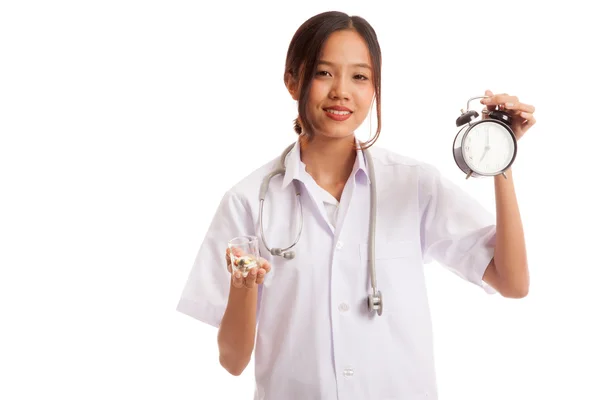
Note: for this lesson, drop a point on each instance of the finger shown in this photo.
(520, 107)
(228, 260)
(250, 280)
(237, 252)
(264, 264)
(528, 118)
(260, 276)
(488, 93)
(500, 100)
(237, 280)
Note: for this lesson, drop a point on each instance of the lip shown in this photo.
(337, 108)
(337, 117)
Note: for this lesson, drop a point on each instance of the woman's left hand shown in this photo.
(521, 113)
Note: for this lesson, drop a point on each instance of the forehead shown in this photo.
(346, 47)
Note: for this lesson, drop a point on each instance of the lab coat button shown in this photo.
(339, 245)
(348, 372)
(343, 307)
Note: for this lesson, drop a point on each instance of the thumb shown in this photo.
(489, 93)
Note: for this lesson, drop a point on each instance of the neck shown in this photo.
(328, 160)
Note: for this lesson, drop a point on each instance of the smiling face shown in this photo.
(342, 89)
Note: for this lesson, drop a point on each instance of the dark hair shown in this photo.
(305, 49)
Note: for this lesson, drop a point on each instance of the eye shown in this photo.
(361, 77)
(323, 73)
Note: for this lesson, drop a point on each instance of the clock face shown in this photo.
(488, 148)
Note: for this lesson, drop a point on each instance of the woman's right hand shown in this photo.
(255, 276)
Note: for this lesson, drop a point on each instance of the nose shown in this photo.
(339, 90)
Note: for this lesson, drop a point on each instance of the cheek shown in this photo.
(364, 98)
(368, 93)
(318, 92)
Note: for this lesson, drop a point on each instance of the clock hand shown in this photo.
(484, 153)
(487, 144)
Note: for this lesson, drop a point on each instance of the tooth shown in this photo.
(338, 112)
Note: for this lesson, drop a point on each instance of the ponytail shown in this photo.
(297, 126)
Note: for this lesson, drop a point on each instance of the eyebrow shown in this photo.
(361, 65)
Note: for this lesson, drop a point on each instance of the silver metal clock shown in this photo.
(485, 147)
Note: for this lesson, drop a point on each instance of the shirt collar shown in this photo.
(360, 165)
(295, 168)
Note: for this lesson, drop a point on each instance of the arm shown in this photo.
(508, 272)
(215, 296)
(238, 329)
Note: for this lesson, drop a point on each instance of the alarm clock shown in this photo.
(484, 147)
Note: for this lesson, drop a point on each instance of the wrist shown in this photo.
(501, 177)
(241, 290)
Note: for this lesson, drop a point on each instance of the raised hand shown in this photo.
(521, 113)
(255, 276)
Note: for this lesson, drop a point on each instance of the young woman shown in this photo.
(307, 318)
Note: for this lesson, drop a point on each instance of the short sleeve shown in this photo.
(206, 291)
(456, 230)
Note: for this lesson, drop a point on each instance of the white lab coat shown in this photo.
(315, 336)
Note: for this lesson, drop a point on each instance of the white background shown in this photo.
(121, 123)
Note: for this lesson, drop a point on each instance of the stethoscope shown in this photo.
(374, 301)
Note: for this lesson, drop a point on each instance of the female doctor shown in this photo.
(307, 318)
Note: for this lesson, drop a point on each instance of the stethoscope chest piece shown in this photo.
(375, 302)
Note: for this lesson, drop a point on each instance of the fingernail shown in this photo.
(509, 104)
(238, 275)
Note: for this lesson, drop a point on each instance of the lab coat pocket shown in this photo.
(387, 250)
(398, 271)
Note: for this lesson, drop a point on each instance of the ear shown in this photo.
(292, 86)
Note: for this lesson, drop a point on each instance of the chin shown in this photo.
(336, 132)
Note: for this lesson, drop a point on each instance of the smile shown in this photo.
(336, 112)
(337, 115)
